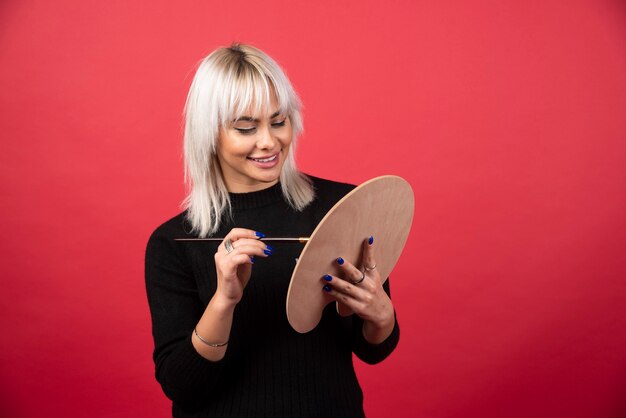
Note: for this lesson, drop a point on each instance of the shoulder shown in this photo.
(163, 253)
(176, 227)
(327, 194)
(328, 189)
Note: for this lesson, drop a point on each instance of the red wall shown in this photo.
(507, 117)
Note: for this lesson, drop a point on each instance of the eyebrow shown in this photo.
(251, 119)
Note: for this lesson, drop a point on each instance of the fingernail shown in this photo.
(269, 247)
(371, 240)
(252, 259)
(327, 277)
(260, 234)
(340, 261)
(267, 252)
(326, 288)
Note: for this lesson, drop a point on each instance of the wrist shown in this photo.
(383, 322)
(386, 315)
(376, 331)
(222, 303)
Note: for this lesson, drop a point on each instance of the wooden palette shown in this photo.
(382, 207)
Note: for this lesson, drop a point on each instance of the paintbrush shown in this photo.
(302, 240)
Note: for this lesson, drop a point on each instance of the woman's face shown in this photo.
(252, 149)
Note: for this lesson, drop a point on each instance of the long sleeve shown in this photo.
(268, 369)
(175, 307)
(373, 353)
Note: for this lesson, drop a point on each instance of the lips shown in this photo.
(264, 159)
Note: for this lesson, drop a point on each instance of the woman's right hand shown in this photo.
(235, 267)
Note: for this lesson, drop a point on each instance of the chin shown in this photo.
(269, 179)
(270, 175)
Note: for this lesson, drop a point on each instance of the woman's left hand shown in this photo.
(362, 291)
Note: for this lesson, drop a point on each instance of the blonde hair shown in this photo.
(229, 82)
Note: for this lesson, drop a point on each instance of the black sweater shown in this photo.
(269, 369)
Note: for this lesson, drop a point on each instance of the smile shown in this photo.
(264, 160)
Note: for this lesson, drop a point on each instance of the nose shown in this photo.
(265, 139)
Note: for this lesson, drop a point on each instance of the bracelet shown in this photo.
(208, 343)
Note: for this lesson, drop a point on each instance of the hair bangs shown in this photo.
(248, 92)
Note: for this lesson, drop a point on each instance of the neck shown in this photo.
(235, 187)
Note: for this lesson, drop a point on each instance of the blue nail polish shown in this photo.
(260, 234)
(371, 240)
(326, 288)
(340, 261)
(267, 252)
(269, 247)
(252, 259)
(327, 277)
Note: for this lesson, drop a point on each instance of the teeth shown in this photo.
(265, 160)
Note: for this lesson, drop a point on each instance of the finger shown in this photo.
(348, 300)
(228, 266)
(252, 242)
(229, 261)
(345, 287)
(368, 254)
(251, 250)
(241, 259)
(239, 233)
(351, 273)
(240, 255)
(246, 236)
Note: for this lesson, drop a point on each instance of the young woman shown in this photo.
(223, 346)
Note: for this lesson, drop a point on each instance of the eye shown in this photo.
(245, 131)
(279, 123)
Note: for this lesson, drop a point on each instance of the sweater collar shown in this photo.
(250, 200)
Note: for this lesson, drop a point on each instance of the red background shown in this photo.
(508, 119)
